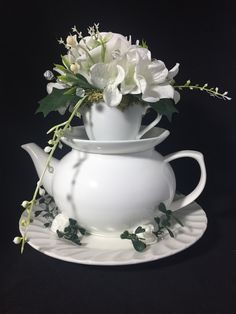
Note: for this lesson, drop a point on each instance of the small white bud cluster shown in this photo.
(75, 68)
(47, 149)
(25, 204)
(17, 240)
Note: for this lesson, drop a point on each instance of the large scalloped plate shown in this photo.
(97, 250)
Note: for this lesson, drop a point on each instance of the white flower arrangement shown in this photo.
(106, 66)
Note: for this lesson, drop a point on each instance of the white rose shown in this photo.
(59, 223)
(147, 237)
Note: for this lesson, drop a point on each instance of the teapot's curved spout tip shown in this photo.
(39, 158)
(26, 146)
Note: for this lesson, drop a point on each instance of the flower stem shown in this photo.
(65, 125)
(212, 91)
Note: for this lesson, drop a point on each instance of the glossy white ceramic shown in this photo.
(77, 138)
(108, 193)
(106, 123)
(114, 251)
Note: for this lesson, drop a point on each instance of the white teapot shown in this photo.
(112, 186)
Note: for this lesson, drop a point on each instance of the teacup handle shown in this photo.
(184, 201)
(149, 126)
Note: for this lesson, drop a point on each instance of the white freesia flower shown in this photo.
(59, 223)
(147, 237)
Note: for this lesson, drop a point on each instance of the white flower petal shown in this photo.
(112, 96)
(173, 72)
(120, 75)
(100, 75)
(158, 71)
(50, 86)
(176, 97)
(165, 91)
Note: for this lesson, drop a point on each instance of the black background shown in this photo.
(201, 37)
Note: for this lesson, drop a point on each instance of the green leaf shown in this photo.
(138, 245)
(37, 213)
(166, 223)
(144, 44)
(157, 220)
(139, 230)
(60, 234)
(60, 67)
(72, 222)
(71, 91)
(170, 232)
(162, 208)
(82, 82)
(65, 62)
(165, 106)
(177, 220)
(125, 235)
(82, 230)
(76, 241)
(47, 224)
(54, 101)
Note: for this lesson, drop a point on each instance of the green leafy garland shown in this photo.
(163, 224)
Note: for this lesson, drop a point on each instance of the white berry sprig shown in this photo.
(213, 91)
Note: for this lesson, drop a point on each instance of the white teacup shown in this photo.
(106, 123)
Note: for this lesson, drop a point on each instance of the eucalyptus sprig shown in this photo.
(71, 232)
(163, 223)
(213, 91)
(137, 242)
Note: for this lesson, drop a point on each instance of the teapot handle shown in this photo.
(184, 201)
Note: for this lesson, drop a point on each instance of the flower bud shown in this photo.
(48, 75)
(41, 192)
(23, 223)
(17, 240)
(24, 204)
(71, 41)
(75, 68)
(47, 149)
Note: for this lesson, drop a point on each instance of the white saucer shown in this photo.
(110, 251)
(76, 138)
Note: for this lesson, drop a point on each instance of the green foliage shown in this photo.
(49, 210)
(165, 106)
(71, 232)
(144, 44)
(138, 245)
(164, 222)
(55, 100)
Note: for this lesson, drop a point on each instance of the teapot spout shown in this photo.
(39, 158)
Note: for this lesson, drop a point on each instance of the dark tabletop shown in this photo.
(201, 279)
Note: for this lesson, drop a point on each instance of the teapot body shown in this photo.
(110, 193)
